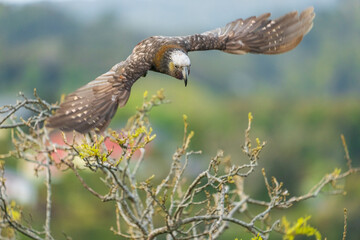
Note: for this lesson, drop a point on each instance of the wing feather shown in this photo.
(93, 105)
(256, 34)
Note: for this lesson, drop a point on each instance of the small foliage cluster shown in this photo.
(301, 227)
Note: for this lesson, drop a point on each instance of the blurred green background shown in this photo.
(301, 101)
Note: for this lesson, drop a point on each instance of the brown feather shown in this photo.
(91, 106)
(256, 34)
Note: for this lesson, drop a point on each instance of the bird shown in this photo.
(92, 106)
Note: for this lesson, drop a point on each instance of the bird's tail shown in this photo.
(265, 36)
(91, 106)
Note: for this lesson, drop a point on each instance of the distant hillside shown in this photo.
(53, 51)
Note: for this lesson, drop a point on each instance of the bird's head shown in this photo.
(179, 65)
(173, 60)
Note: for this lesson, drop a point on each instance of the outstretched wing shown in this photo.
(93, 105)
(256, 34)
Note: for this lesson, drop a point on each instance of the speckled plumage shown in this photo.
(93, 105)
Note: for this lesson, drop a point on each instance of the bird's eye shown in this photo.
(176, 66)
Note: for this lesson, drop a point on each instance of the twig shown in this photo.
(345, 224)
(347, 156)
(48, 200)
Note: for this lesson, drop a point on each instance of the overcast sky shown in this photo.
(179, 16)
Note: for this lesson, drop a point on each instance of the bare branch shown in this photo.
(345, 224)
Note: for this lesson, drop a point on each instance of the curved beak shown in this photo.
(185, 73)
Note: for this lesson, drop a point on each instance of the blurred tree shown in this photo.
(201, 207)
